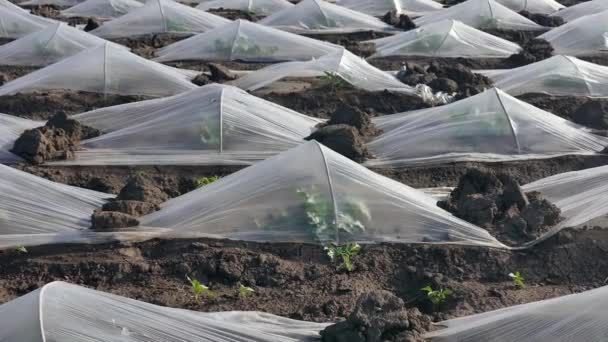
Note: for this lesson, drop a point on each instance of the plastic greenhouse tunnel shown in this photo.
(101, 9)
(62, 312)
(105, 69)
(556, 76)
(582, 9)
(257, 7)
(312, 194)
(491, 126)
(585, 36)
(47, 46)
(378, 8)
(482, 14)
(546, 7)
(576, 317)
(160, 16)
(246, 41)
(16, 23)
(214, 124)
(352, 69)
(447, 38)
(318, 16)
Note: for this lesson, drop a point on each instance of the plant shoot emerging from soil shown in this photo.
(21, 249)
(346, 252)
(518, 280)
(200, 182)
(244, 291)
(437, 297)
(333, 81)
(198, 289)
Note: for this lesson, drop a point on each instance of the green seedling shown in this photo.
(333, 81)
(245, 291)
(518, 280)
(346, 252)
(199, 289)
(437, 297)
(200, 182)
(21, 249)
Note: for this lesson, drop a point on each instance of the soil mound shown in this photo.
(543, 19)
(108, 220)
(497, 203)
(220, 74)
(532, 51)
(343, 139)
(593, 113)
(57, 140)
(377, 317)
(590, 112)
(91, 24)
(139, 188)
(355, 117)
(400, 21)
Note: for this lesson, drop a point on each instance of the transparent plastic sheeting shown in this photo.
(214, 124)
(10, 5)
(533, 6)
(47, 46)
(318, 16)
(447, 38)
(16, 23)
(378, 8)
(106, 69)
(58, 3)
(11, 128)
(102, 9)
(490, 126)
(342, 63)
(482, 14)
(312, 194)
(160, 16)
(582, 9)
(246, 41)
(62, 312)
(584, 36)
(556, 76)
(577, 317)
(258, 7)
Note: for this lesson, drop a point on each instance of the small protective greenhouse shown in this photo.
(312, 194)
(16, 23)
(576, 317)
(582, 9)
(584, 36)
(47, 46)
(101, 9)
(557, 76)
(245, 41)
(62, 312)
(258, 7)
(490, 126)
(378, 8)
(215, 124)
(546, 7)
(352, 69)
(160, 16)
(482, 14)
(11, 128)
(318, 16)
(447, 38)
(106, 69)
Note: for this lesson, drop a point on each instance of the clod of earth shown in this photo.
(109, 220)
(343, 139)
(400, 21)
(139, 188)
(91, 24)
(543, 19)
(534, 50)
(353, 116)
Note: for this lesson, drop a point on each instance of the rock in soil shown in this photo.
(497, 203)
(400, 21)
(353, 116)
(57, 140)
(139, 188)
(379, 316)
(343, 139)
(108, 220)
(534, 50)
(543, 19)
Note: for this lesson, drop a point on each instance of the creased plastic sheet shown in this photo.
(490, 126)
(447, 38)
(10, 5)
(47, 46)
(11, 128)
(246, 41)
(582, 9)
(318, 16)
(342, 63)
(546, 7)
(160, 16)
(62, 312)
(106, 69)
(16, 23)
(557, 76)
(312, 194)
(577, 317)
(102, 9)
(584, 36)
(482, 14)
(258, 7)
(215, 124)
(378, 8)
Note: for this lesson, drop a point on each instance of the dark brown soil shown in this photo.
(42, 105)
(145, 45)
(299, 281)
(233, 14)
(5, 40)
(592, 113)
(11, 72)
(204, 65)
(346, 39)
(519, 37)
(395, 62)
(598, 59)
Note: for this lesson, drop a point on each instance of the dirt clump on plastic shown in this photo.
(400, 21)
(497, 203)
(379, 316)
(234, 14)
(534, 50)
(589, 112)
(56, 140)
(343, 139)
(543, 19)
(92, 24)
